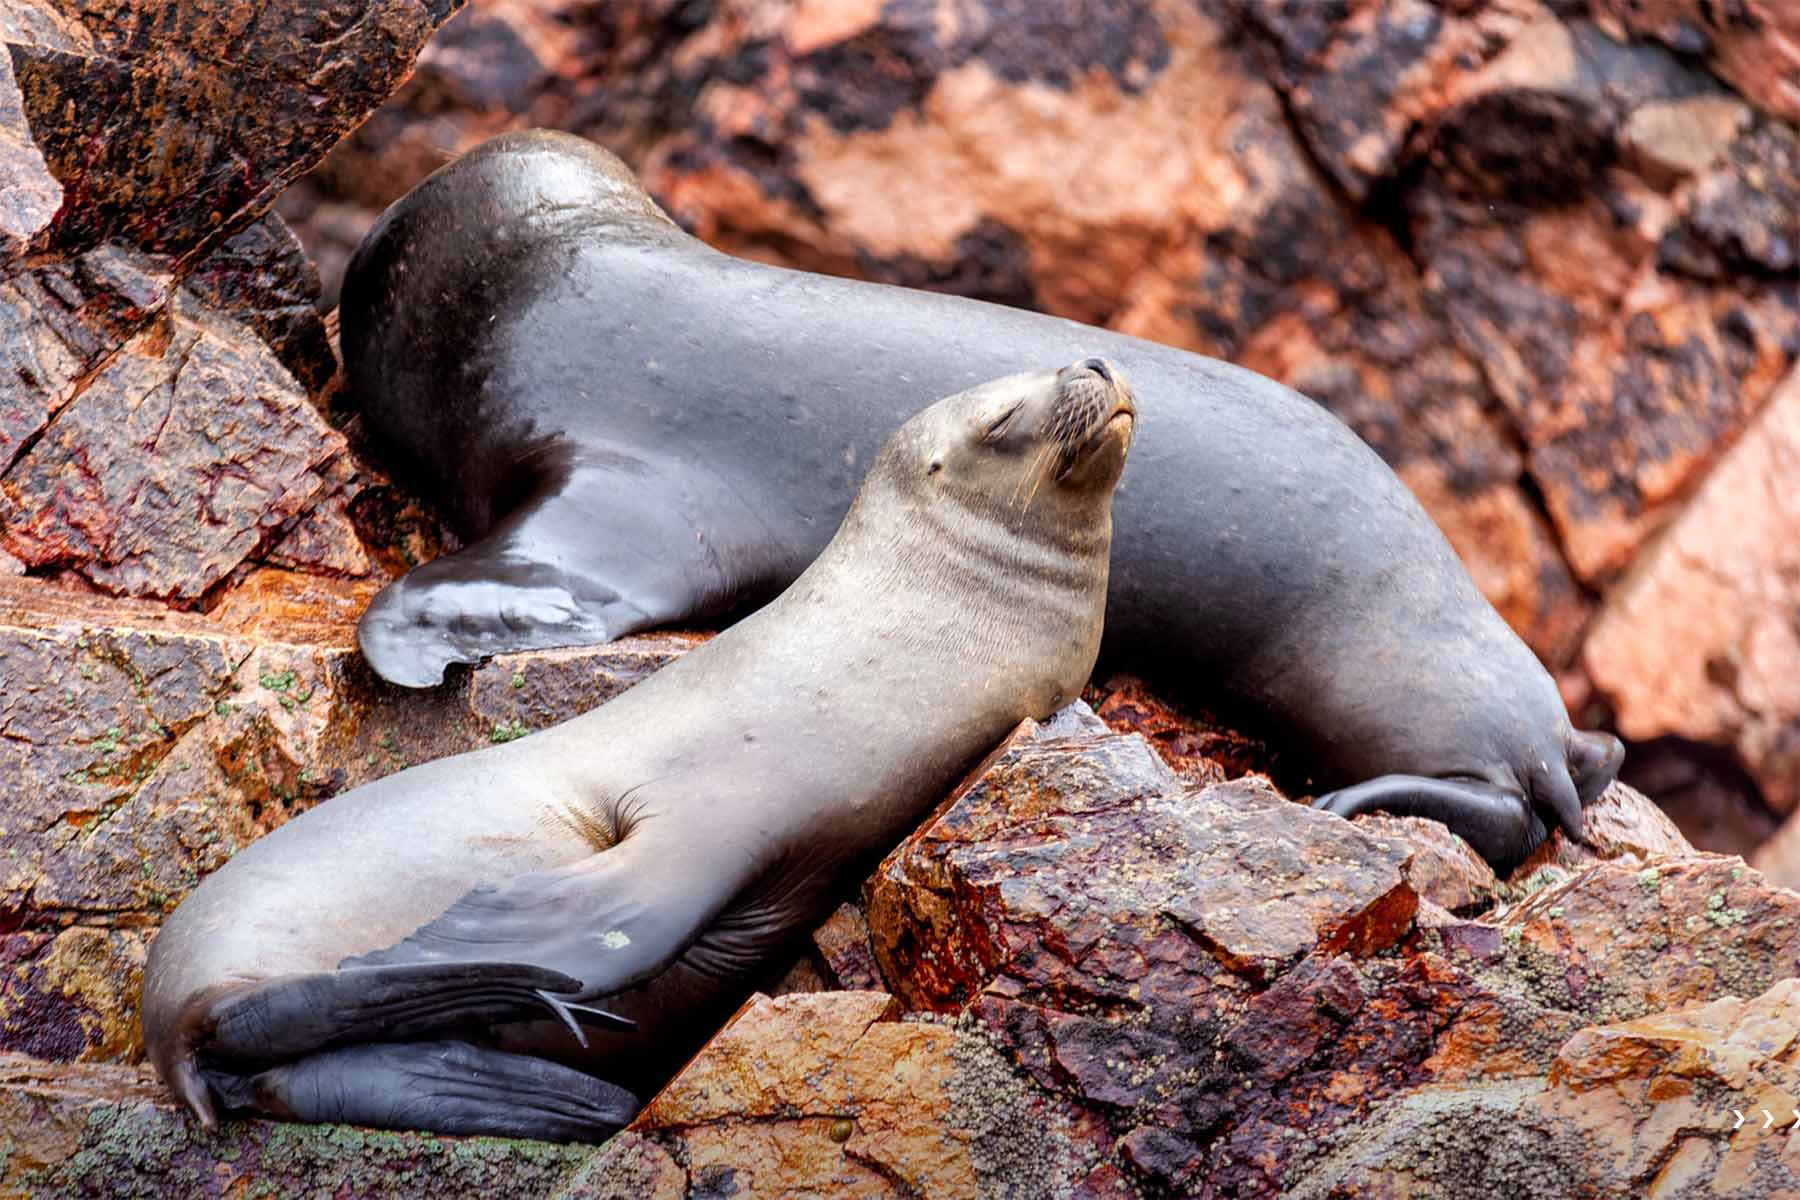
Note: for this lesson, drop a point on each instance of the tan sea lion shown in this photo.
(389, 957)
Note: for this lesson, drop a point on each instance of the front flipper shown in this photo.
(597, 551)
(1499, 824)
(611, 921)
(301, 1013)
(444, 1087)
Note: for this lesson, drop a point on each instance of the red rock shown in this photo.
(262, 278)
(843, 946)
(325, 542)
(1561, 279)
(1622, 824)
(1442, 869)
(1199, 749)
(182, 455)
(1779, 857)
(1020, 886)
(829, 1094)
(1627, 940)
(1755, 44)
(1699, 641)
(1641, 1108)
(168, 123)
(57, 321)
(1672, 140)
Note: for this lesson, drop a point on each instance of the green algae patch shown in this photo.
(132, 1149)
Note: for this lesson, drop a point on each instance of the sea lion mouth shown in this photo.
(1093, 411)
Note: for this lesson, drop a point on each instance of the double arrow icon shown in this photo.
(1768, 1119)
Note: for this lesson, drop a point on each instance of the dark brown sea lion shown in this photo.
(632, 429)
(387, 957)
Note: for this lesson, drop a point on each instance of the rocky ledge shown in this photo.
(1115, 962)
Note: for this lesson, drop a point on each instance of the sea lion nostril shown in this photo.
(1098, 366)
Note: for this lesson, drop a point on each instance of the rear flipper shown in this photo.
(441, 1086)
(595, 552)
(1499, 824)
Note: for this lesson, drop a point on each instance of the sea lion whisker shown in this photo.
(565, 1011)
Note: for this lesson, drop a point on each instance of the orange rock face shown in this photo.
(1700, 641)
(831, 1094)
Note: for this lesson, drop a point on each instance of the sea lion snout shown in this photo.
(1091, 420)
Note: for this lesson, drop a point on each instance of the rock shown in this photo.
(1617, 941)
(1442, 868)
(1621, 825)
(111, 1131)
(1096, 835)
(186, 452)
(1755, 44)
(144, 747)
(1779, 857)
(1705, 792)
(161, 345)
(843, 946)
(1643, 1108)
(1745, 216)
(1199, 749)
(31, 194)
(1672, 140)
(263, 278)
(832, 1095)
(167, 124)
(58, 321)
(1699, 641)
(1549, 256)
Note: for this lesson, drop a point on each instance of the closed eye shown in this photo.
(997, 430)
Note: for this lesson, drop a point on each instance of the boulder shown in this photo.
(1699, 641)
(166, 365)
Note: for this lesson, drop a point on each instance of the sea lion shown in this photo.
(631, 429)
(385, 957)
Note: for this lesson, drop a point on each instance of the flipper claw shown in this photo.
(565, 1011)
(561, 1009)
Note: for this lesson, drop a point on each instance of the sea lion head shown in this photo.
(1051, 441)
(982, 535)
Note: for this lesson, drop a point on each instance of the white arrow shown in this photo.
(1796, 1124)
(1768, 1119)
(1740, 1120)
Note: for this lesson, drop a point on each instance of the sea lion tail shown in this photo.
(174, 1049)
